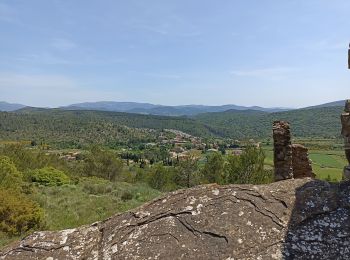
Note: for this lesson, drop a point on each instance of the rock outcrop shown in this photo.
(291, 219)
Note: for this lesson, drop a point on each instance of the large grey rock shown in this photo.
(291, 219)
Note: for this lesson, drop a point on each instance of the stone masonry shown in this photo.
(291, 161)
(282, 151)
(345, 121)
(301, 163)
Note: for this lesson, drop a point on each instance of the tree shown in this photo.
(188, 174)
(10, 177)
(247, 167)
(213, 171)
(18, 213)
(161, 178)
(103, 164)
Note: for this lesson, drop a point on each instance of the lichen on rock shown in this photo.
(291, 219)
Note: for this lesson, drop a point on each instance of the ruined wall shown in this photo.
(291, 161)
(300, 162)
(282, 151)
(345, 121)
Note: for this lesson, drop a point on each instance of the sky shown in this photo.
(271, 53)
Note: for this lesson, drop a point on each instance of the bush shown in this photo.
(18, 214)
(127, 195)
(248, 168)
(213, 171)
(49, 176)
(10, 177)
(96, 186)
(161, 178)
(103, 164)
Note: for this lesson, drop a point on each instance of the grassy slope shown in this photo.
(91, 200)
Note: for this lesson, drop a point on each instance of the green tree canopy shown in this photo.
(103, 163)
(10, 177)
(213, 171)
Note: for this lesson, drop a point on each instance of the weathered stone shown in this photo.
(282, 151)
(347, 106)
(345, 121)
(292, 219)
(301, 163)
(346, 173)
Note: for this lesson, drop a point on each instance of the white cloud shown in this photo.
(48, 90)
(34, 82)
(163, 76)
(45, 58)
(327, 45)
(63, 44)
(269, 73)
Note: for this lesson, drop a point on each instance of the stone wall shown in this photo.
(300, 162)
(282, 151)
(345, 121)
(291, 161)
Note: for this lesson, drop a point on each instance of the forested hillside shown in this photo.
(314, 122)
(76, 128)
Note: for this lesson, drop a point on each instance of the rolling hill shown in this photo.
(322, 122)
(5, 106)
(71, 128)
(151, 109)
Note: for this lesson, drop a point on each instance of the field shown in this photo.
(327, 164)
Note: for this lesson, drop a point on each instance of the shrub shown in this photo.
(248, 167)
(96, 186)
(10, 177)
(103, 164)
(127, 195)
(18, 214)
(213, 170)
(49, 176)
(162, 178)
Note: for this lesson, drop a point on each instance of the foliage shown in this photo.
(248, 167)
(103, 163)
(213, 171)
(49, 176)
(79, 129)
(162, 178)
(70, 206)
(18, 214)
(10, 177)
(312, 122)
(29, 159)
(188, 174)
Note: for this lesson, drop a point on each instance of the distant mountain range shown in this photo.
(339, 103)
(152, 109)
(4, 106)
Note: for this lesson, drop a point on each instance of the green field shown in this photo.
(327, 164)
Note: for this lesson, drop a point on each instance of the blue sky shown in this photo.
(273, 53)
